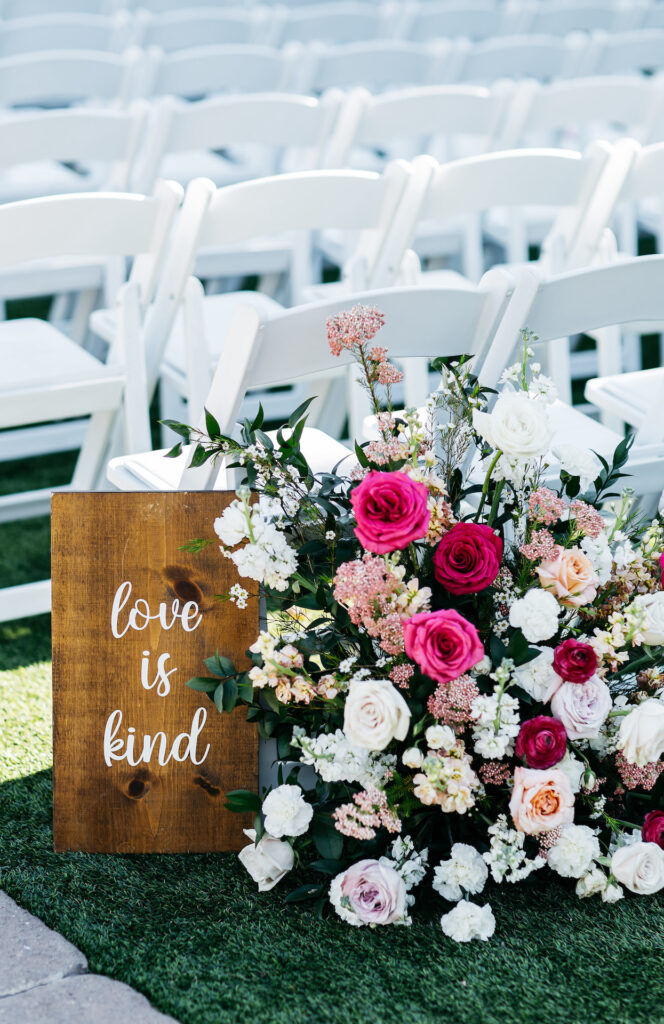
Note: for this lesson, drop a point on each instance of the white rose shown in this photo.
(286, 812)
(412, 758)
(640, 867)
(652, 630)
(465, 869)
(592, 882)
(375, 713)
(517, 425)
(582, 707)
(536, 615)
(267, 862)
(440, 737)
(579, 462)
(538, 678)
(573, 769)
(641, 733)
(598, 551)
(231, 526)
(612, 893)
(574, 851)
(467, 921)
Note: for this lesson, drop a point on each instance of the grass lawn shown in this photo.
(192, 933)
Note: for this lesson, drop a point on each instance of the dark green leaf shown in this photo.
(241, 800)
(305, 892)
(301, 409)
(230, 694)
(220, 666)
(203, 685)
(178, 428)
(328, 841)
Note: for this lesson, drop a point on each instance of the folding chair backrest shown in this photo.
(474, 19)
(186, 28)
(375, 65)
(340, 22)
(206, 70)
(626, 52)
(271, 120)
(87, 134)
(525, 56)
(35, 8)
(64, 32)
(59, 78)
(558, 17)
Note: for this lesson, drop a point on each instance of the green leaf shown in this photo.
(328, 841)
(305, 892)
(361, 456)
(243, 800)
(264, 440)
(220, 666)
(230, 694)
(178, 428)
(301, 409)
(259, 418)
(211, 424)
(328, 867)
(218, 697)
(200, 456)
(203, 685)
(175, 451)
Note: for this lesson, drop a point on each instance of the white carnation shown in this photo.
(286, 812)
(467, 921)
(536, 615)
(598, 551)
(538, 677)
(464, 870)
(579, 462)
(574, 851)
(592, 882)
(231, 527)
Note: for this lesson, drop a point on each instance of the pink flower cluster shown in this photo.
(353, 327)
(633, 776)
(401, 675)
(451, 702)
(588, 519)
(541, 545)
(382, 371)
(545, 507)
(369, 812)
(368, 589)
(494, 773)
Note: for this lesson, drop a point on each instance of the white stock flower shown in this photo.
(517, 425)
(582, 707)
(464, 870)
(375, 713)
(468, 921)
(412, 758)
(652, 605)
(538, 678)
(536, 615)
(574, 852)
(598, 551)
(641, 733)
(440, 737)
(231, 527)
(579, 462)
(286, 812)
(639, 867)
(592, 882)
(612, 893)
(268, 861)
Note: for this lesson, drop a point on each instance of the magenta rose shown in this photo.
(574, 661)
(443, 644)
(653, 828)
(542, 741)
(390, 511)
(375, 892)
(468, 558)
(661, 566)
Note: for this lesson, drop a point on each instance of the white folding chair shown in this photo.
(62, 78)
(65, 32)
(625, 52)
(630, 292)
(46, 377)
(344, 21)
(211, 69)
(472, 19)
(376, 65)
(260, 353)
(525, 56)
(36, 8)
(205, 26)
(558, 17)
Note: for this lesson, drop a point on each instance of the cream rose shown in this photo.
(375, 713)
(517, 425)
(541, 800)
(268, 861)
(639, 867)
(583, 708)
(570, 576)
(641, 733)
(652, 631)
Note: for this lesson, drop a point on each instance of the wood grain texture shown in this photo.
(99, 541)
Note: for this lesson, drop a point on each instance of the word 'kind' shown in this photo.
(183, 746)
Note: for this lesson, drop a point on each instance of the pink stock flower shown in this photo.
(468, 558)
(442, 643)
(390, 510)
(375, 892)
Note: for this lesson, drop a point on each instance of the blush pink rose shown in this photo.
(582, 707)
(468, 558)
(575, 662)
(390, 511)
(570, 576)
(442, 643)
(542, 742)
(375, 891)
(541, 800)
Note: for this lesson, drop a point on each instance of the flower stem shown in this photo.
(487, 481)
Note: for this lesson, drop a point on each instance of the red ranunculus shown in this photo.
(661, 565)
(574, 661)
(390, 511)
(653, 828)
(468, 558)
(542, 741)
(442, 643)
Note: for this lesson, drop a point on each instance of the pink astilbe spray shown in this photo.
(494, 773)
(369, 812)
(401, 675)
(541, 545)
(545, 507)
(353, 328)
(588, 519)
(634, 776)
(451, 702)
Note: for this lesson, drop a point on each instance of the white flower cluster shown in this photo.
(468, 921)
(496, 718)
(536, 615)
(598, 551)
(465, 870)
(336, 760)
(266, 557)
(507, 860)
(595, 881)
(410, 863)
(574, 851)
(238, 595)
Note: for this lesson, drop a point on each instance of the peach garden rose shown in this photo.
(569, 576)
(541, 800)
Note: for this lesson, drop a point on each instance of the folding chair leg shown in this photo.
(84, 304)
(559, 367)
(92, 456)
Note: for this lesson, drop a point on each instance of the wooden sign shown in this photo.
(142, 763)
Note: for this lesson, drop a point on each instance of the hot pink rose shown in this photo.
(390, 511)
(468, 558)
(542, 741)
(661, 565)
(575, 662)
(541, 800)
(376, 893)
(653, 828)
(442, 643)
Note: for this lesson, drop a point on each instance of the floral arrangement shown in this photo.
(462, 673)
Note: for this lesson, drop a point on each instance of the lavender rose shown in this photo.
(370, 892)
(390, 510)
(582, 707)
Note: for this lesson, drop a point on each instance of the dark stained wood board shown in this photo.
(102, 803)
